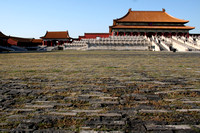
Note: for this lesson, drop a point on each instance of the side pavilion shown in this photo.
(55, 38)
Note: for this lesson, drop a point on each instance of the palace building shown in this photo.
(56, 38)
(149, 23)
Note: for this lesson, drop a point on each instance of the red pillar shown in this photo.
(117, 33)
(51, 43)
(124, 33)
(131, 33)
(188, 35)
(170, 34)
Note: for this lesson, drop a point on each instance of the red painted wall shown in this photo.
(94, 35)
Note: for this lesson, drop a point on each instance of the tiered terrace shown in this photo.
(155, 43)
(112, 43)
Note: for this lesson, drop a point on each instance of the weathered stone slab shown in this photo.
(110, 115)
(16, 116)
(44, 102)
(3, 124)
(188, 110)
(191, 101)
(169, 100)
(153, 111)
(104, 102)
(151, 127)
(22, 130)
(90, 95)
(23, 110)
(39, 106)
(177, 90)
(52, 131)
(63, 113)
(109, 98)
(105, 115)
(197, 126)
(62, 104)
(32, 121)
(136, 96)
(87, 111)
(166, 92)
(118, 122)
(141, 102)
(88, 131)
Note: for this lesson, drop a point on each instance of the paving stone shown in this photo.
(109, 98)
(87, 111)
(188, 110)
(32, 121)
(62, 104)
(16, 116)
(21, 130)
(191, 101)
(170, 100)
(154, 111)
(118, 122)
(52, 131)
(136, 96)
(178, 90)
(45, 102)
(23, 110)
(104, 102)
(151, 127)
(88, 131)
(39, 106)
(63, 113)
(141, 106)
(158, 82)
(106, 114)
(3, 124)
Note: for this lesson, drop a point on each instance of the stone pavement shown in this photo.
(101, 105)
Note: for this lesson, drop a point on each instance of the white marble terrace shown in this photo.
(155, 43)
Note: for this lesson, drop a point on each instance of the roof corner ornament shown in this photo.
(163, 10)
(129, 10)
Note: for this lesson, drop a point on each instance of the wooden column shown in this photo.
(188, 35)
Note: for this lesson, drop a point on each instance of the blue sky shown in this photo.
(32, 18)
